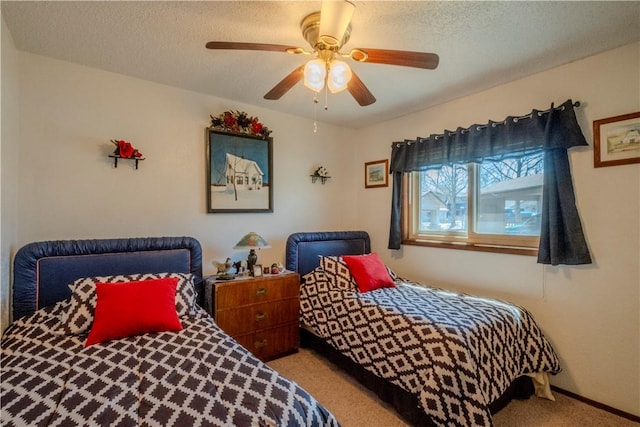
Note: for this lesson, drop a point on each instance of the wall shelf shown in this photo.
(323, 179)
(115, 159)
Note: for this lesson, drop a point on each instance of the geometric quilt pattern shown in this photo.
(198, 376)
(337, 273)
(456, 352)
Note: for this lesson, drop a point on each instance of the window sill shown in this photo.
(473, 247)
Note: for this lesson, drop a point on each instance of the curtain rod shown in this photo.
(494, 124)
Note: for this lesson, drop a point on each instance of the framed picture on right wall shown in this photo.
(616, 140)
(376, 174)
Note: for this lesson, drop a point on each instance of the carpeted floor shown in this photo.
(355, 406)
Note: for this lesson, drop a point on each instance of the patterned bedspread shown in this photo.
(196, 377)
(458, 353)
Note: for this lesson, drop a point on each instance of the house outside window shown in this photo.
(493, 203)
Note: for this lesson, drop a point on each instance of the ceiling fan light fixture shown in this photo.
(335, 17)
(327, 32)
(315, 72)
(339, 75)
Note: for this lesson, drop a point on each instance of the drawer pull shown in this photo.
(260, 316)
(261, 291)
(260, 344)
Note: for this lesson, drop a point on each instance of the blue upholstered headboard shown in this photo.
(303, 249)
(43, 270)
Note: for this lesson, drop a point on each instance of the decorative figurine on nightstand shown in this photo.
(243, 270)
(276, 268)
(224, 267)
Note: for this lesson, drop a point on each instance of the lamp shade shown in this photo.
(251, 240)
(315, 72)
(339, 76)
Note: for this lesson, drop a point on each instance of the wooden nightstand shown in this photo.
(260, 313)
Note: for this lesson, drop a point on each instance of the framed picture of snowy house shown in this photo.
(239, 172)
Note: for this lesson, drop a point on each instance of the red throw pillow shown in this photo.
(134, 308)
(369, 272)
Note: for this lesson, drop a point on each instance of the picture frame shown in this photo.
(616, 140)
(239, 172)
(257, 270)
(376, 174)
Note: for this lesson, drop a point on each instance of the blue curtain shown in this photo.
(552, 131)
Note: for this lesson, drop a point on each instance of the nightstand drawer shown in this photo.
(270, 343)
(252, 291)
(241, 320)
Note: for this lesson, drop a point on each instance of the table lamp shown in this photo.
(251, 241)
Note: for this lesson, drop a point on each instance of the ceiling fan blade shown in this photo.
(254, 46)
(285, 84)
(335, 17)
(404, 58)
(359, 91)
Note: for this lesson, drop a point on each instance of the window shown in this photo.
(492, 204)
(492, 217)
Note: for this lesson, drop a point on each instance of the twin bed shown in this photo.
(438, 357)
(197, 376)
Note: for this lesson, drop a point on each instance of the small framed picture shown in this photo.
(616, 140)
(257, 270)
(376, 174)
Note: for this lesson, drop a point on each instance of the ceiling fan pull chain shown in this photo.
(315, 112)
(326, 98)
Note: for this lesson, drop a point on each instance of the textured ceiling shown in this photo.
(481, 45)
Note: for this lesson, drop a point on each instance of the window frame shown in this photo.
(471, 240)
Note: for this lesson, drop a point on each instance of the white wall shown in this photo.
(9, 138)
(589, 313)
(70, 189)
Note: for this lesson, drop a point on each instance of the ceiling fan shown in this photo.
(326, 32)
